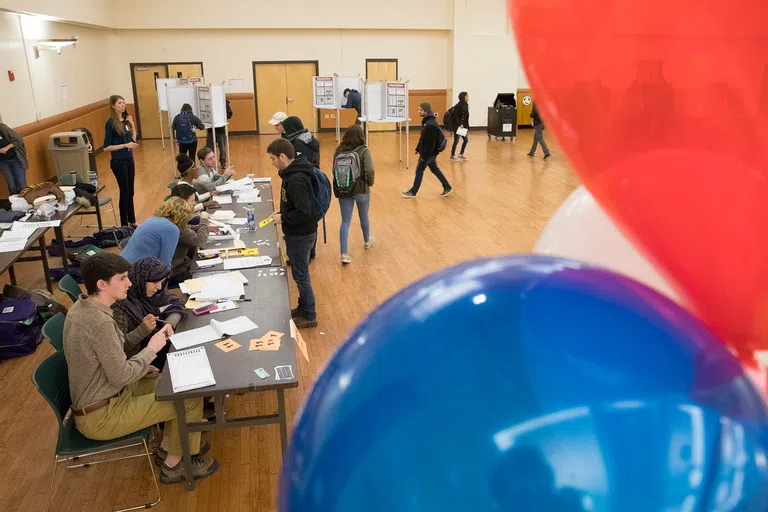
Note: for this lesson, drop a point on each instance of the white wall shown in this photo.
(229, 54)
(93, 12)
(77, 67)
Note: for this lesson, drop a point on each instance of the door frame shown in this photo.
(133, 65)
(397, 66)
(256, 92)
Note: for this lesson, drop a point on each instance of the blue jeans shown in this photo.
(456, 138)
(297, 248)
(430, 162)
(347, 205)
(15, 175)
(538, 138)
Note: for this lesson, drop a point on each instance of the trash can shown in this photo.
(502, 116)
(69, 151)
(93, 173)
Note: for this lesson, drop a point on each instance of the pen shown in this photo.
(220, 301)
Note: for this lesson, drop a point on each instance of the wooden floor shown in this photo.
(501, 202)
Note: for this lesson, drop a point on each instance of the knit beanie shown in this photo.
(183, 163)
(426, 106)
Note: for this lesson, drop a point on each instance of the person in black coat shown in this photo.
(461, 120)
(428, 148)
(538, 134)
(304, 143)
(355, 101)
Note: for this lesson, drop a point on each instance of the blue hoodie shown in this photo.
(355, 101)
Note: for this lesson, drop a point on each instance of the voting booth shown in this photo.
(387, 102)
(328, 94)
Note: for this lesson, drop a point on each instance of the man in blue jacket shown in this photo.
(428, 148)
(355, 101)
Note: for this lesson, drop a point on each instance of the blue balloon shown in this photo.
(529, 383)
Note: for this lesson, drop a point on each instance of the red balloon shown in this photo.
(662, 107)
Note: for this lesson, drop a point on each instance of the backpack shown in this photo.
(184, 132)
(20, 328)
(111, 237)
(347, 171)
(449, 119)
(442, 142)
(321, 193)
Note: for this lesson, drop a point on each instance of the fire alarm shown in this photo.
(11, 76)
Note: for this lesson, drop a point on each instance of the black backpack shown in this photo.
(111, 237)
(347, 172)
(449, 119)
(442, 142)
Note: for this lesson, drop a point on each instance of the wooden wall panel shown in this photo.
(243, 112)
(437, 97)
(348, 116)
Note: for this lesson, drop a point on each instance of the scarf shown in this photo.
(137, 305)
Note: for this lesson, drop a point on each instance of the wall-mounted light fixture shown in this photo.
(52, 45)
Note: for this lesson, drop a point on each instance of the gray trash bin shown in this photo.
(70, 154)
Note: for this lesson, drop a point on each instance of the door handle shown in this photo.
(289, 100)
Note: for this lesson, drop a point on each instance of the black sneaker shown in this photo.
(408, 194)
(297, 312)
(546, 157)
(446, 192)
(530, 154)
(202, 466)
(161, 454)
(303, 322)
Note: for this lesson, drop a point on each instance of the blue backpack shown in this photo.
(184, 130)
(321, 193)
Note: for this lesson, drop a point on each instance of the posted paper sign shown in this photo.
(324, 92)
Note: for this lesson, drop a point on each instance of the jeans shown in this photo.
(538, 138)
(456, 138)
(430, 162)
(297, 248)
(15, 175)
(221, 139)
(347, 205)
(125, 173)
(188, 149)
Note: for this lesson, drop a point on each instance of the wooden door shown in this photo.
(299, 92)
(381, 71)
(524, 107)
(271, 94)
(147, 117)
(186, 70)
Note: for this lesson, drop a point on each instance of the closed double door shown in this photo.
(284, 87)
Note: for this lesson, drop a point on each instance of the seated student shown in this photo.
(208, 177)
(188, 193)
(183, 166)
(158, 236)
(191, 237)
(137, 315)
(112, 395)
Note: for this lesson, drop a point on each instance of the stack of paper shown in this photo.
(190, 369)
(223, 286)
(223, 199)
(209, 262)
(223, 215)
(235, 185)
(249, 262)
(196, 285)
(214, 331)
(12, 241)
(248, 198)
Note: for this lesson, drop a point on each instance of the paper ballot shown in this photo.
(462, 132)
(247, 262)
(220, 287)
(223, 199)
(190, 369)
(223, 215)
(216, 330)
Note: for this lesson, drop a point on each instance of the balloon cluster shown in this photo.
(621, 382)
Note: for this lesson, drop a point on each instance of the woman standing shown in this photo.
(13, 159)
(148, 301)
(351, 189)
(120, 141)
(461, 120)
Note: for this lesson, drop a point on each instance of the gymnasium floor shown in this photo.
(502, 201)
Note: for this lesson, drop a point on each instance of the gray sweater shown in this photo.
(93, 347)
(208, 179)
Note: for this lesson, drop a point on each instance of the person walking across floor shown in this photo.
(431, 142)
(298, 217)
(119, 142)
(13, 159)
(538, 134)
(183, 127)
(353, 177)
(461, 122)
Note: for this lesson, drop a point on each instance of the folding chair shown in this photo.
(52, 381)
(53, 331)
(68, 285)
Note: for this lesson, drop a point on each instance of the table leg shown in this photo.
(44, 257)
(186, 457)
(98, 206)
(60, 238)
(283, 422)
(12, 275)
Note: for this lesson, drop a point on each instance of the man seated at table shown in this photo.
(112, 395)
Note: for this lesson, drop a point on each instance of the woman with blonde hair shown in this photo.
(158, 236)
(191, 237)
(120, 141)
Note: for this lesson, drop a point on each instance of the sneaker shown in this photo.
(454, 159)
(408, 194)
(446, 192)
(530, 154)
(546, 157)
(463, 158)
(161, 454)
(303, 322)
(346, 259)
(369, 243)
(202, 466)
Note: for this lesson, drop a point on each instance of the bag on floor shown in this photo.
(20, 328)
(111, 237)
(47, 305)
(321, 193)
(79, 255)
(346, 172)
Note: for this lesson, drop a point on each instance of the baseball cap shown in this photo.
(278, 118)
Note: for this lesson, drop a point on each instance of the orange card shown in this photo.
(228, 345)
(301, 344)
(274, 335)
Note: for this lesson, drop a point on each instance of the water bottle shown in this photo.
(73, 177)
(251, 218)
(94, 178)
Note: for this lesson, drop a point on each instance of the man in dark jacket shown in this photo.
(355, 101)
(297, 217)
(303, 142)
(538, 134)
(428, 149)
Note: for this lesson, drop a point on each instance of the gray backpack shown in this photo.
(347, 172)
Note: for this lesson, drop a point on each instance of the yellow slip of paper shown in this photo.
(266, 221)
